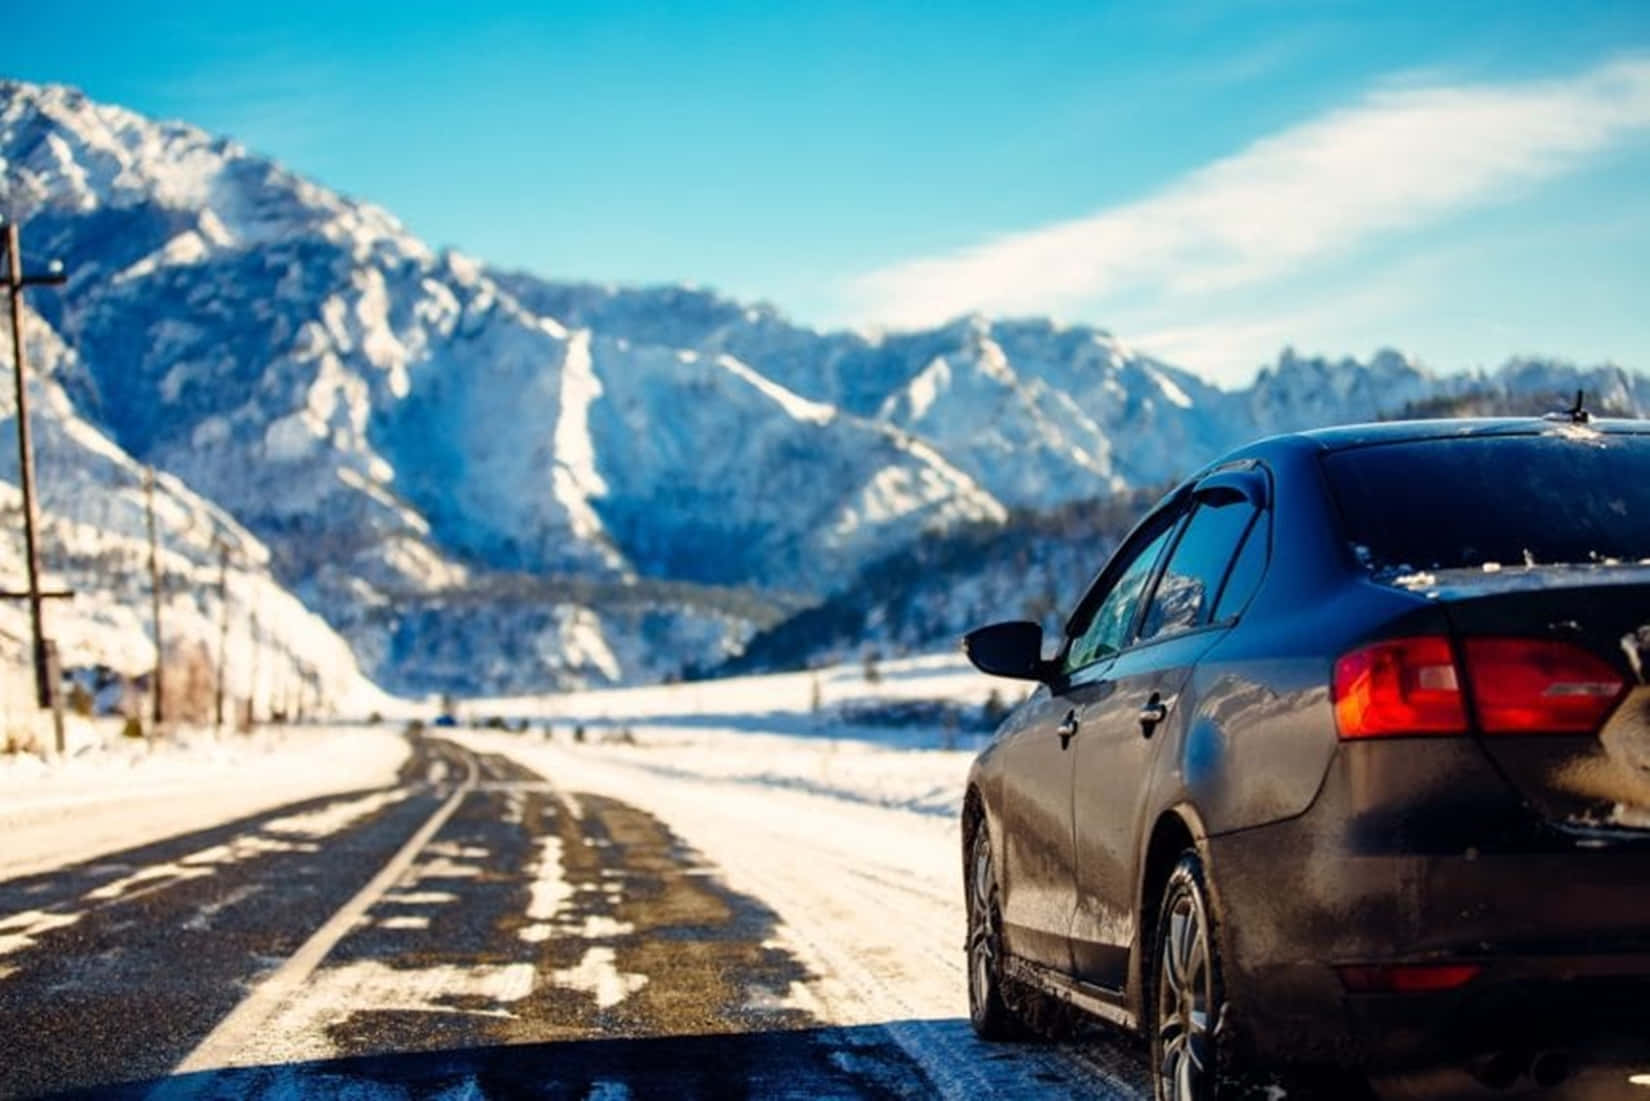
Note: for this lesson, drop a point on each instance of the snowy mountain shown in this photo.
(398, 427)
(490, 481)
(1041, 414)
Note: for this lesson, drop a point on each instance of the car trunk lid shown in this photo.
(1556, 658)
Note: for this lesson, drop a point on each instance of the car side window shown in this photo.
(1185, 595)
(1247, 568)
(1108, 625)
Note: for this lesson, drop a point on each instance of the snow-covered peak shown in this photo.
(63, 151)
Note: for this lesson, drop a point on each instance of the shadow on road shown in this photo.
(849, 1062)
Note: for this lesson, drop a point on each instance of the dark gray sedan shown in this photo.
(1343, 761)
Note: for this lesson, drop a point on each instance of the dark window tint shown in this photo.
(1245, 575)
(1109, 625)
(1186, 594)
(1567, 496)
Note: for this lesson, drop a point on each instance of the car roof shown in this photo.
(1362, 435)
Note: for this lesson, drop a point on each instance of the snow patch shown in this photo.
(598, 974)
(291, 438)
(574, 479)
(925, 389)
(795, 405)
(19, 931)
(1168, 388)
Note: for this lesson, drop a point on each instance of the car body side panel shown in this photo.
(1112, 785)
(1260, 732)
(1034, 805)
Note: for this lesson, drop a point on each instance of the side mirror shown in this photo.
(1013, 649)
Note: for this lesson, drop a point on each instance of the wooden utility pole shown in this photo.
(223, 629)
(257, 642)
(158, 711)
(46, 692)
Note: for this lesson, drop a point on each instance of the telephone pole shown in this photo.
(46, 692)
(154, 595)
(223, 628)
(256, 639)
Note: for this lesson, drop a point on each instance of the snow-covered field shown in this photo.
(787, 733)
(934, 676)
(114, 793)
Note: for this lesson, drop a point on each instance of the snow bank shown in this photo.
(119, 793)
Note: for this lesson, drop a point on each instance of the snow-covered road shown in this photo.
(867, 889)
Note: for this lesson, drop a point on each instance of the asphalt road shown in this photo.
(472, 932)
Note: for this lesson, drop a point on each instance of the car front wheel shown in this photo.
(987, 1010)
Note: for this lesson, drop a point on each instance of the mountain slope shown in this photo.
(94, 541)
(396, 426)
(926, 596)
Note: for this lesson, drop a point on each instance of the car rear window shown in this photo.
(1564, 496)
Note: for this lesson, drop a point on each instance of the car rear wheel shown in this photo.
(1187, 989)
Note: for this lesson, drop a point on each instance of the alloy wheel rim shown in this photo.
(982, 946)
(1183, 1002)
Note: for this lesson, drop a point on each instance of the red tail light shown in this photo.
(1408, 979)
(1535, 686)
(1397, 687)
(1409, 686)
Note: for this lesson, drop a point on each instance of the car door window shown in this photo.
(1108, 624)
(1185, 595)
(1244, 577)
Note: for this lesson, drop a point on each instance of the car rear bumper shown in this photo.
(1560, 932)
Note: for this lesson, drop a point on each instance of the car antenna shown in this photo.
(1575, 414)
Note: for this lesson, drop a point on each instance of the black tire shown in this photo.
(988, 1010)
(1186, 992)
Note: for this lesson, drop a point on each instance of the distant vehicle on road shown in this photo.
(1343, 761)
(445, 721)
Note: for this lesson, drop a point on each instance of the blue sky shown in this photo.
(1463, 181)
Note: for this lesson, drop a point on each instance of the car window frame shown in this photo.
(1134, 641)
(1262, 511)
(1174, 511)
(1262, 516)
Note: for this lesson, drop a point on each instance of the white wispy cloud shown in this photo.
(1401, 157)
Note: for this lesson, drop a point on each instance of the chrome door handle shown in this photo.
(1153, 713)
(1067, 729)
